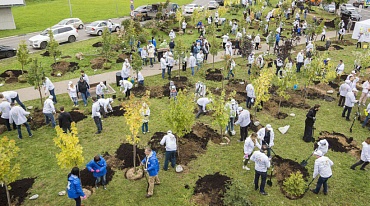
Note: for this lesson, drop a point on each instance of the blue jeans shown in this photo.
(163, 72)
(20, 131)
(52, 92)
(18, 101)
(169, 71)
(170, 156)
(141, 82)
(75, 101)
(322, 181)
(230, 124)
(144, 127)
(230, 72)
(84, 97)
(103, 178)
(192, 71)
(7, 123)
(145, 62)
(199, 65)
(263, 181)
(98, 123)
(50, 117)
(151, 61)
(98, 96)
(249, 102)
(365, 121)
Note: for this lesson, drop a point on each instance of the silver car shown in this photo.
(97, 27)
(75, 22)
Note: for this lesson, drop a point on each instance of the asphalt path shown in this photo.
(14, 41)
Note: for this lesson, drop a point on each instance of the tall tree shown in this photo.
(23, 54)
(262, 85)
(9, 170)
(53, 47)
(221, 112)
(35, 75)
(179, 52)
(136, 63)
(106, 48)
(71, 149)
(213, 42)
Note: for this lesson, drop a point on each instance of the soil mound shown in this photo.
(282, 170)
(97, 63)
(180, 85)
(340, 143)
(98, 44)
(214, 75)
(117, 111)
(139, 91)
(122, 57)
(314, 94)
(77, 116)
(125, 152)
(320, 48)
(12, 73)
(38, 119)
(61, 68)
(45, 54)
(112, 161)
(18, 193)
(209, 189)
(88, 180)
(336, 47)
(203, 130)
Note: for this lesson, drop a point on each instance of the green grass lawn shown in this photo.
(32, 17)
(37, 157)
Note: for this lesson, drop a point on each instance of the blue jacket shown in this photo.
(153, 164)
(74, 188)
(277, 37)
(101, 165)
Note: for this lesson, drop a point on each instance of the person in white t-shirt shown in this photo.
(365, 92)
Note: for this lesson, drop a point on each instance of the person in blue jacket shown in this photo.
(151, 165)
(98, 167)
(74, 187)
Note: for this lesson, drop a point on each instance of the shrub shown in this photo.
(143, 37)
(158, 15)
(294, 184)
(155, 31)
(236, 194)
(125, 23)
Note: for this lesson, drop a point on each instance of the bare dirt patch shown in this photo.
(340, 143)
(18, 192)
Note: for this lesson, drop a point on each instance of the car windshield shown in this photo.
(95, 23)
(63, 22)
(45, 32)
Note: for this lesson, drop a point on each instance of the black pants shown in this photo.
(183, 30)
(323, 37)
(349, 109)
(7, 123)
(78, 201)
(243, 133)
(277, 71)
(200, 111)
(299, 65)
(360, 163)
(308, 128)
(128, 93)
(223, 45)
(256, 47)
(340, 37)
(341, 101)
(102, 112)
(184, 66)
(65, 129)
(98, 123)
(263, 181)
(358, 45)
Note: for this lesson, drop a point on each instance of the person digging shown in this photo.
(249, 144)
(309, 123)
(365, 155)
(266, 136)
(98, 167)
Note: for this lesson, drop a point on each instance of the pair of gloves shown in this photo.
(92, 170)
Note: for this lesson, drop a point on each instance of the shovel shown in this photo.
(142, 167)
(356, 116)
(308, 186)
(304, 162)
(269, 182)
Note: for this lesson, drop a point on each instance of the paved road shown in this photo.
(365, 13)
(14, 41)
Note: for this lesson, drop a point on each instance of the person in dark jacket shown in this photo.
(151, 166)
(310, 121)
(82, 88)
(98, 167)
(74, 187)
(172, 45)
(65, 120)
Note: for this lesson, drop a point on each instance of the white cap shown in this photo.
(318, 153)
(347, 81)
(233, 101)
(328, 59)
(268, 126)
(101, 83)
(240, 108)
(169, 132)
(227, 34)
(322, 142)
(51, 97)
(69, 83)
(353, 72)
(191, 54)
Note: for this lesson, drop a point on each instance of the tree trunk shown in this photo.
(22, 68)
(279, 105)
(213, 61)
(179, 66)
(7, 193)
(134, 157)
(178, 148)
(39, 88)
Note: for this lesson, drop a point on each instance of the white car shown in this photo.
(97, 27)
(348, 7)
(75, 22)
(61, 34)
(213, 5)
(191, 7)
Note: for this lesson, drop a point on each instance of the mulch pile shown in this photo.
(210, 189)
(340, 143)
(125, 152)
(18, 192)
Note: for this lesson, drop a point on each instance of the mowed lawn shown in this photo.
(39, 15)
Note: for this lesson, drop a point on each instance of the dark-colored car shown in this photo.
(358, 3)
(220, 2)
(7, 51)
(354, 15)
(141, 12)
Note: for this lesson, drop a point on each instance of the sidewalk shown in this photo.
(30, 93)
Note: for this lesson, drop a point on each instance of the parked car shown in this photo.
(61, 34)
(220, 2)
(213, 5)
(329, 8)
(348, 7)
(191, 7)
(7, 51)
(141, 12)
(354, 15)
(358, 3)
(97, 27)
(75, 22)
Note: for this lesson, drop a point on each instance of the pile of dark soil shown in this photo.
(180, 85)
(45, 54)
(214, 75)
(88, 180)
(38, 119)
(210, 189)
(330, 24)
(155, 140)
(98, 44)
(63, 67)
(18, 192)
(281, 115)
(139, 91)
(253, 127)
(12, 73)
(333, 85)
(320, 48)
(122, 57)
(282, 170)
(336, 47)
(190, 146)
(343, 43)
(204, 130)
(181, 79)
(295, 100)
(125, 152)
(340, 143)
(118, 111)
(97, 63)
(314, 94)
(77, 116)
(239, 86)
(112, 161)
